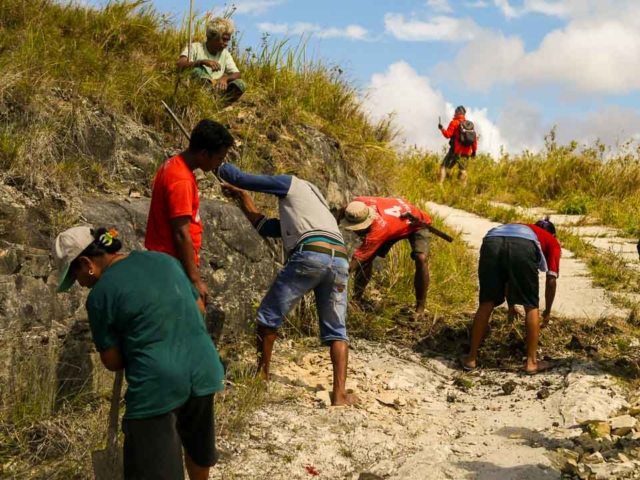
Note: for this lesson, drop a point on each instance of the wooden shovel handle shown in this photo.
(114, 411)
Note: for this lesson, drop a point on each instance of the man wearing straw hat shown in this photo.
(381, 223)
(212, 62)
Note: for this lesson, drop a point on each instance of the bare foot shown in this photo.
(345, 400)
(540, 366)
(419, 316)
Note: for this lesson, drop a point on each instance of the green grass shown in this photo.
(560, 177)
(64, 65)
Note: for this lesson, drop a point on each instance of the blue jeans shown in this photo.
(305, 271)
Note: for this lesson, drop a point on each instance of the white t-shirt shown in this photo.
(199, 52)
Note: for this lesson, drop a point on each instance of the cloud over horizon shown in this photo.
(352, 32)
(437, 28)
(416, 103)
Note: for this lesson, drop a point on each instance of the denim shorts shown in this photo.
(327, 276)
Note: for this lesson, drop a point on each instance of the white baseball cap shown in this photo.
(66, 248)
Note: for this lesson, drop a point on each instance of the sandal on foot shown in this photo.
(541, 366)
(466, 367)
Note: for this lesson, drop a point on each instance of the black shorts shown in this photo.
(451, 160)
(509, 268)
(153, 446)
(420, 241)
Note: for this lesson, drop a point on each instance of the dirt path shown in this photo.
(420, 418)
(576, 296)
(417, 420)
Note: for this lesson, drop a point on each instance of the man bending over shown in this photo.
(317, 260)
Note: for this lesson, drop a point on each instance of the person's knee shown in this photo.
(265, 331)
(421, 260)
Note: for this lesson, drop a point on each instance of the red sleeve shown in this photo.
(180, 195)
(553, 258)
(449, 132)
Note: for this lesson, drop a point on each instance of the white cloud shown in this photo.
(440, 6)
(612, 125)
(491, 58)
(561, 8)
(476, 4)
(506, 8)
(590, 55)
(353, 32)
(416, 105)
(438, 28)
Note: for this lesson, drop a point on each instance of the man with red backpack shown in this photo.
(463, 143)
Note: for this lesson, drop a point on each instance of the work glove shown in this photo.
(440, 127)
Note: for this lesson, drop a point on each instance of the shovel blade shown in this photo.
(107, 465)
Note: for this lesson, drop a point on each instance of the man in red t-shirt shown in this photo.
(379, 223)
(458, 154)
(174, 224)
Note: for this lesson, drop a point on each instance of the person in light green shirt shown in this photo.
(212, 62)
(146, 318)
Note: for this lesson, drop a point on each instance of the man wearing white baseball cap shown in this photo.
(146, 318)
(381, 223)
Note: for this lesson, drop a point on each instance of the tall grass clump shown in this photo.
(62, 62)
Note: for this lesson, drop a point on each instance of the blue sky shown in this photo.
(519, 66)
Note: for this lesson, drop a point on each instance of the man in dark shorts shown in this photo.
(146, 318)
(378, 221)
(458, 153)
(510, 258)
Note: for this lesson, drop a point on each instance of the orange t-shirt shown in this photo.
(175, 194)
(387, 225)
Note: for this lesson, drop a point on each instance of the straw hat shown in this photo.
(358, 216)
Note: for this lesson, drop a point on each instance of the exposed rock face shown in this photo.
(237, 264)
(38, 324)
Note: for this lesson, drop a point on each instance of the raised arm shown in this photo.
(451, 130)
(266, 227)
(273, 184)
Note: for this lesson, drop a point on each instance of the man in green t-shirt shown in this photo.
(212, 62)
(146, 318)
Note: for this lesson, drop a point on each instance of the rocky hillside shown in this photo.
(82, 132)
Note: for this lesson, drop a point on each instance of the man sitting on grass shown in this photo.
(212, 62)
(379, 223)
(510, 258)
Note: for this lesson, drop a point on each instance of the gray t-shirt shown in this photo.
(199, 52)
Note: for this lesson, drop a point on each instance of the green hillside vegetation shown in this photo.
(61, 63)
(121, 59)
(564, 178)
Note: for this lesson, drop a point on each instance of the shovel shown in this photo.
(108, 463)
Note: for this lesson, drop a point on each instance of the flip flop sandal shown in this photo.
(466, 367)
(550, 366)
